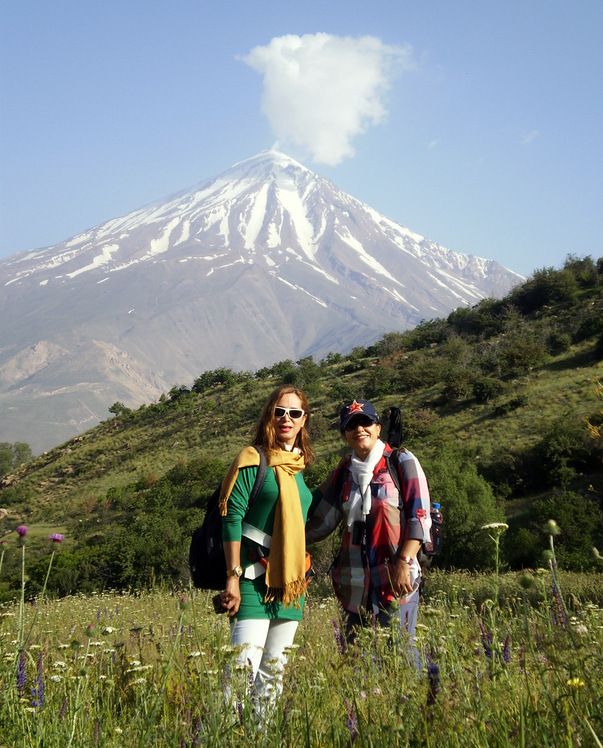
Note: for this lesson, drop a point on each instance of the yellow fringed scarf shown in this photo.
(285, 574)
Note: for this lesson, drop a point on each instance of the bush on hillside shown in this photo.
(467, 503)
(545, 288)
(580, 520)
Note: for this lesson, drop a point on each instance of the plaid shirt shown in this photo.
(359, 568)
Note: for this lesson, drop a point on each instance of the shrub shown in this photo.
(487, 388)
(581, 522)
(546, 287)
(467, 503)
(458, 383)
(558, 342)
(521, 354)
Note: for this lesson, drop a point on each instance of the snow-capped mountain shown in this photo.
(265, 262)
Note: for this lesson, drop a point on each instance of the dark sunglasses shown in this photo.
(293, 413)
(363, 421)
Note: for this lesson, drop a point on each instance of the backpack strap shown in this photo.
(259, 478)
(394, 470)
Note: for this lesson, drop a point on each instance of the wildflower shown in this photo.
(107, 630)
(498, 526)
(21, 531)
(433, 678)
(352, 721)
(185, 604)
(56, 537)
(63, 710)
(338, 637)
(486, 640)
(21, 675)
(90, 630)
(526, 581)
(581, 629)
(3, 513)
(38, 689)
(507, 649)
(552, 528)
(575, 683)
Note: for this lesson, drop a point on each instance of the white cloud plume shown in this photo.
(321, 91)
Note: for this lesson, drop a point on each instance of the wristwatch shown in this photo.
(406, 559)
(236, 572)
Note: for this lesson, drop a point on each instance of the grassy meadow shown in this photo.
(508, 661)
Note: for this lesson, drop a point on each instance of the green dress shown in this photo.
(261, 516)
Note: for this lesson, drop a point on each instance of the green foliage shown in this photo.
(13, 456)
(221, 377)
(581, 522)
(564, 450)
(467, 503)
(487, 388)
(520, 354)
(119, 409)
(458, 383)
(492, 380)
(546, 287)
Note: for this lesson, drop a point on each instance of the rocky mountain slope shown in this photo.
(265, 262)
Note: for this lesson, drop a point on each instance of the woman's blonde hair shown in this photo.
(265, 433)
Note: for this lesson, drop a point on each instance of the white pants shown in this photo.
(264, 643)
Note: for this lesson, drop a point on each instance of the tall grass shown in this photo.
(520, 668)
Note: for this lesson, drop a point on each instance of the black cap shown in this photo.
(357, 408)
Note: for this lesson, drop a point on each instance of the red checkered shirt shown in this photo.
(358, 569)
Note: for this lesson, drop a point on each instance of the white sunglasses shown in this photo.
(293, 413)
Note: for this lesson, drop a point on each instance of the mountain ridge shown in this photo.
(266, 261)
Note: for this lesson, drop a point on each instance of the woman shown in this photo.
(265, 548)
(376, 569)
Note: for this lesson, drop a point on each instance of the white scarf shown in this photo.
(362, 474)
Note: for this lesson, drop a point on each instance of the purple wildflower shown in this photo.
(486, 640)
(21, 675)
(21, 531)
(96, 733)
(56, 537)
(63, 710)
(38, 690)
(338, 637)
(352, 721)
(433, 678)
(507, 649)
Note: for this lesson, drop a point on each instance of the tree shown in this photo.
(12, 456)
(118, 409)
(468, 503)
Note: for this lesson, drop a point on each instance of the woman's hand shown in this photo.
(401, 584)
(231, 597)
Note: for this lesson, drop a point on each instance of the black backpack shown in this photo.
(206, 555)
(394, 439)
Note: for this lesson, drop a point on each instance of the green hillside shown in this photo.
(495, 403)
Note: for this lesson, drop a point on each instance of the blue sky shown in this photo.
(476, 123)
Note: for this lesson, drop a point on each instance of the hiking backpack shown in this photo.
(394, 438)
(206, 555)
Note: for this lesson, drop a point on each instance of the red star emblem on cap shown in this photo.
(356, 407)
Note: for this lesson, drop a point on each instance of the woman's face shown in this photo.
(362, 435)
(286, 427)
